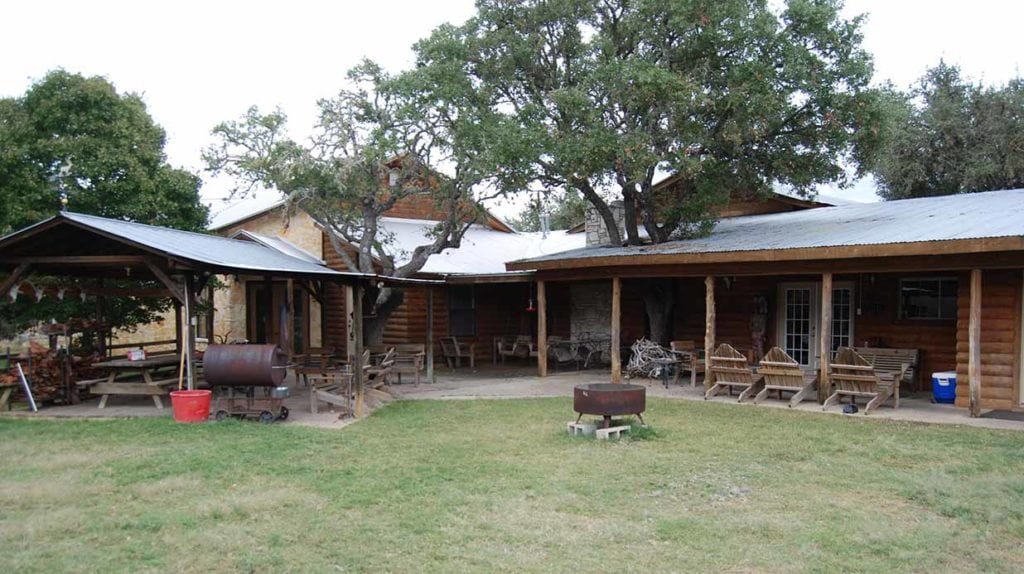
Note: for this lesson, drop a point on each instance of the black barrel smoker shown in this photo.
(247, 381)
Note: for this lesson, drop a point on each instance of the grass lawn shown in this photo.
(498, 486)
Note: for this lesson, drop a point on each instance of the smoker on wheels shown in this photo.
(247, 381)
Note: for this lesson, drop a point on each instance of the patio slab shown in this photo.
(522, 382)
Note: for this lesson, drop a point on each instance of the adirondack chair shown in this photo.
(454, 352)
(378, 375)
(730, 369)
(689, 360)
(853, 376)
(782, 373)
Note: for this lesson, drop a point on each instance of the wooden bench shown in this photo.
(409, 358)
(905, 361)
(853, 376)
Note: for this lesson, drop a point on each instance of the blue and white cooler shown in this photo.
(944, 386)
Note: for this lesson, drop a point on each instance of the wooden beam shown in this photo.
(825, 342)
(616, 343)
(974, 345)
(709, 329)
(542, 330)
(430, 334)
(15, 276)
(176, 292)
(357, 361)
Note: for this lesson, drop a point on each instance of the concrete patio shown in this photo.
(514, 382)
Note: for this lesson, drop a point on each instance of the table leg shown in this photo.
(103, 402)
(5, 398)
(156, 401)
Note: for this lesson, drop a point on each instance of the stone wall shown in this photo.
(597, 232)
(591, 305)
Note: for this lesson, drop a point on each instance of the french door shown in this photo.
(799, 317)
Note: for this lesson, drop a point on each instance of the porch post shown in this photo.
(709, 329)
(430, 333)
(350, 325)
(974, 345)
(289, 338)
(357, 351)
(190, 337)
(542, 330)
(825, 331)
(616, 330)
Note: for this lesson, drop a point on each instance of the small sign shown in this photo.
(136, 354)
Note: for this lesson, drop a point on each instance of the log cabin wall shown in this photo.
(879, 325)
(1000, 339)
(735, 306)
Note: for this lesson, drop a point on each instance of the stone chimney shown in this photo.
(597, 233)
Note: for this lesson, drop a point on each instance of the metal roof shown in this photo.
(967, 216)
(278, 243)
(210, 250)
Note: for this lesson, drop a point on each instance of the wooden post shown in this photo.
(350, 324)
(430, 333)
(974, 345)
(825, 344)
(709, 329)
(542, 330)
(357, 347)
(616, 330)
(268, 304)
(288, 339)
(190, 337)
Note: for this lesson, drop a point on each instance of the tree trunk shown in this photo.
(660, 304)
(629, 218)
(387, 301)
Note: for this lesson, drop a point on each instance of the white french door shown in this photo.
(799, 316)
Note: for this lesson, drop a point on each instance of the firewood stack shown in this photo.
(46, 374)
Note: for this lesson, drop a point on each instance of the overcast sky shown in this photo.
(200, 63)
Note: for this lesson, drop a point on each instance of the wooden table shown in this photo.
(145, 368)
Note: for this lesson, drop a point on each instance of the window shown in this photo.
(842, 318)
(928, 298)
(461, 311)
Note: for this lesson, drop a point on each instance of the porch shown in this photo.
(522, 382)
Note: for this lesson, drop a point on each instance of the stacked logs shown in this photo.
(50, 374)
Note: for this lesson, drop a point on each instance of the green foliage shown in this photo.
(564, 210)
(953, 136)
(77, 135)
(732, 96)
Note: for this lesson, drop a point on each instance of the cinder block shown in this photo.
(612, 432)
(585, 429)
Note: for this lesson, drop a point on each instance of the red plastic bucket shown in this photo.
(191, 406)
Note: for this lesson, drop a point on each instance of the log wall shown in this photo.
(1000, 339)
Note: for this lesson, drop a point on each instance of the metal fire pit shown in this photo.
(608, 400)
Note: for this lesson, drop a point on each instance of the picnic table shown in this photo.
(144, 368)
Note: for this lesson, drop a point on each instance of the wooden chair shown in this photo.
(378, 374)
(409, 358)
(454, 352)
(853, 376)
(689, 360)
(331, 385)
(313, 361)
(730, 369)
(781, 372)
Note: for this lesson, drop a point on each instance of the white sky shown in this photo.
(200, 63)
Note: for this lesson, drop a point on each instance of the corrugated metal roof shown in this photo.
(211, 250)
(482, 250)
(966, 216)
(279, 243)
